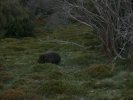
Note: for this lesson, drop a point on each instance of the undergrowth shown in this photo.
(83, 74)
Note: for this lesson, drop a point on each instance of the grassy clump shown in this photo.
(99, 70)
(95, 71)
(18, 83)
(54, 87)
(46, 71)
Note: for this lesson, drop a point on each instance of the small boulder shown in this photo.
(50, 57)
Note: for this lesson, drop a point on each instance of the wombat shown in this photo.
(50, 57)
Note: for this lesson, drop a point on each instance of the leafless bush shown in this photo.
(113, 21)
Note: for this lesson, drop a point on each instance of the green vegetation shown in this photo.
(84, 72)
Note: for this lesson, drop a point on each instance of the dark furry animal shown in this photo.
(49, 58)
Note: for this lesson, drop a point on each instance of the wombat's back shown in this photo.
(51, 57)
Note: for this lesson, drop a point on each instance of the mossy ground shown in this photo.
(83, 74)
